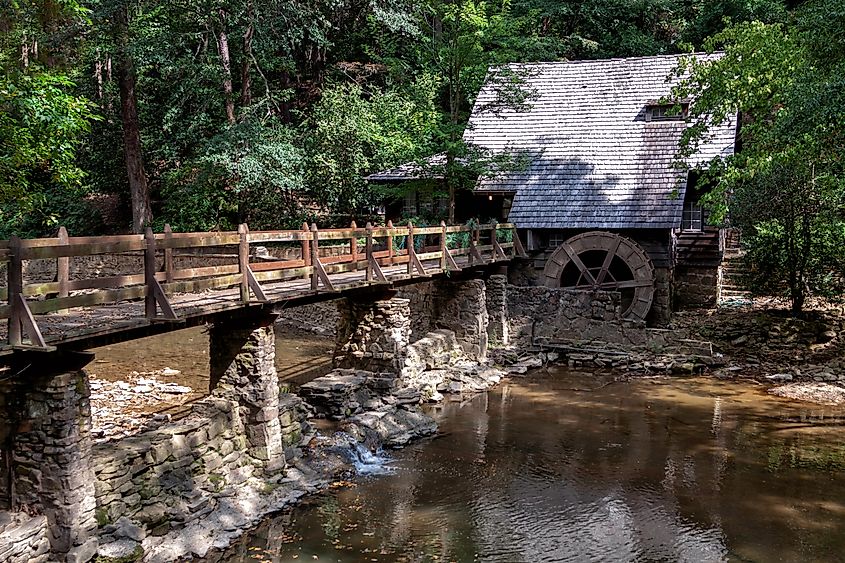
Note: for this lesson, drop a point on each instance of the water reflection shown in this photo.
(567, 467)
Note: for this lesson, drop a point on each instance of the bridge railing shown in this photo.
(157, 278)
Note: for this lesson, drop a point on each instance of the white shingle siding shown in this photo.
(602, 165)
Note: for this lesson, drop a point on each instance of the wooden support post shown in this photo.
(318, 273)
(15, 290)
(353, 247)
(168, 254)
(306, 248)
(498, 251)
(63, 266)
(369, 252)
(373, 269)
(390, 252)
(243, 261)
(473, 250)
(315, 257)
(518, 249)
(410, 246)
(443, 250)
(150, 273)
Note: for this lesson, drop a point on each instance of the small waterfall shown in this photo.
(369, 463)
(360, 456)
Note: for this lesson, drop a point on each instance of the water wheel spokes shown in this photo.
(599, 260)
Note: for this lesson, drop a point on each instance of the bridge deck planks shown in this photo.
(84, 326)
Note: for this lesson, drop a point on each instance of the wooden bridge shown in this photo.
(85, 309)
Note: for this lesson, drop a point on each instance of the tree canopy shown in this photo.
(785, 187)
(204, 113)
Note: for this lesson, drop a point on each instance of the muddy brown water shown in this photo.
(563, 466)
(299, 357)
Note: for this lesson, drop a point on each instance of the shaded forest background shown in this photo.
(207, 113)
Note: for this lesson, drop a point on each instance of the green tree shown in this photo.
(42, 121)
(786, 186)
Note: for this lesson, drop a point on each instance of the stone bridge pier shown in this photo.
(45, 425)
(374, 331)
(242, 369)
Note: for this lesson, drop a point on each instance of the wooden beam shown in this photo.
(390, 251)
(15, 284)
(353, 245)
(255, 286)
(168, 254)
(315, 257)
(451, 265)
(373, 268)
(243, 261)
(517, 245)
(63, 266)
(28, 324)
(443, 251)
(164, 304)
(150, 274)
(498, 252)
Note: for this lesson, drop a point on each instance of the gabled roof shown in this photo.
(601, 164)
(430, 168)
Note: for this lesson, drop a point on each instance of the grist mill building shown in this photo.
(601, 203)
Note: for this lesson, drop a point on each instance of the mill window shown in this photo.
(693, 217)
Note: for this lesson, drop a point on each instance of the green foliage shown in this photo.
(786, 186)
(250, 173)
(42, 120)
(352, 133)
(323, 93)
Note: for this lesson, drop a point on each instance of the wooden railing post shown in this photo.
(243, 261)
(168, 254)
(15, 282)
(150, 273)
(370, 257)
(315, 256)
(390, 251)
(63, 266)
(306, 247)
(353, 247)
(443, 246)
(410, 245)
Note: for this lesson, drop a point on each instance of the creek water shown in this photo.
(568, 466)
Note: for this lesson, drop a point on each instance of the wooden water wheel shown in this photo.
(598, 260)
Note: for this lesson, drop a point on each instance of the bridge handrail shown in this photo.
(159, 279)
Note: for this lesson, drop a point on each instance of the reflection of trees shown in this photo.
(693, 471)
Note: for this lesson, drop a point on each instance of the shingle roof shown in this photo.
(430, 168)
(601, 164)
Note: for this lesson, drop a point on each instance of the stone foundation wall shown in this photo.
(497, 309)
(373, 335)
(661, 307)
(461, 307)
(422, 298)
(558, 314)
(696, 287)
(164, 479)
(243, 369)
(23, 538)
(319, 318)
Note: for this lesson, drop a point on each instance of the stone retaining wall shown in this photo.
(166, 478)
(563, 314)
(695, 287)
(23, 538)
(319, 318)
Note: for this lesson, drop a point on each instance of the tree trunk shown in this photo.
(141, 211)
(246, 84)
(226, 63)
